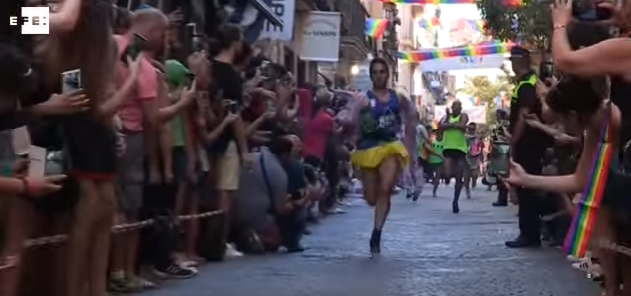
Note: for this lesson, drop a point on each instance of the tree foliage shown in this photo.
(529, 23)
(487, 90)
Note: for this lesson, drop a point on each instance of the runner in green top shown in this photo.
(436, 162)
(430, 156)
(455, 148)
(436, 158)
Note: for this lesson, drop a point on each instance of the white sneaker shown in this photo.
(571, 258)
(232, 252)
(584, 264)
(338, 211)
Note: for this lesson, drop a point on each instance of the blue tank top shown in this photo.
(379, 122)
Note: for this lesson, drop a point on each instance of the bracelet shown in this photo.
(556, 27)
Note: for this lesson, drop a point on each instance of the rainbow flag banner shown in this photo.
(580, 232)
(429, 23)
(480, 25)
(376, 27)
(452, 52)
(476, 101)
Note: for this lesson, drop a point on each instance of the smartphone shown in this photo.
(191, 34)
(500, 159)
(135, 47)
(71, 80)
(230, 107)
(37, 162)
(271, 106)
(546, 70)
(264, 69)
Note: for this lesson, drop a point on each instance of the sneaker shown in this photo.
(232, 252)
(338, 211)
(584, 264)
(122, 285)
(177, 272)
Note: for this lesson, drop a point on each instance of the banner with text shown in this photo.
(321, 37)
(286, 11)
(463, 63)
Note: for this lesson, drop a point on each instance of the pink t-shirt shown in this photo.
(317, 131)
(131, 114)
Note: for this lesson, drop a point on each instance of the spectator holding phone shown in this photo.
(319, 128)
(231, 146)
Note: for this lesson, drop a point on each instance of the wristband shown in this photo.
(556, 27)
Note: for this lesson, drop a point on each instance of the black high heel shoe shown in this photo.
(375, 242)
(454, 207)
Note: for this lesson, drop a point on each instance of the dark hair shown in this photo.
(376, 61)
(15, 69)
(244, 55)
(501, 113)
(310, 174)
(579, 95)
(279, 145)
(277, 71)
(122, 20)
(225, 36)
(582, 34)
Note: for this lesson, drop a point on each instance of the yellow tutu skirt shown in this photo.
(371, 158)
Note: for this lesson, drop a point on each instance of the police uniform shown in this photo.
(528, 152)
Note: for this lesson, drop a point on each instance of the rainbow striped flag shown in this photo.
(479, 25)
(429, 23)
(476, 101)
(462, 51)
(376, 27)
(582, 228)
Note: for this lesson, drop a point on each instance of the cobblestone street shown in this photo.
(427, 251)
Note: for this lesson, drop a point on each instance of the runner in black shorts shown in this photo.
(455, 148)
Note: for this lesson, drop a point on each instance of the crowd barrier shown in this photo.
(11, 261)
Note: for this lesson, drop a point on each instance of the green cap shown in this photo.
(176, 72)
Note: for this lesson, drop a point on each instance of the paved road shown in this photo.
(427, 251)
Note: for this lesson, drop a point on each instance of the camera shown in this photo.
(588, 11)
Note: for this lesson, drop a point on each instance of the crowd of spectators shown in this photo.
(137, 163)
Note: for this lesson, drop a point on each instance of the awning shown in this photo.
(267, 11)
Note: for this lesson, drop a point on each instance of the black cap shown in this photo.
(519, 52)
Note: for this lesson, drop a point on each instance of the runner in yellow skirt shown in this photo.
(380, 155)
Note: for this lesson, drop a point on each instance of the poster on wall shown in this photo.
(463, 63)
(476, 114)
(321, 37)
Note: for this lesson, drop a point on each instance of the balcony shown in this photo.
(355, 45)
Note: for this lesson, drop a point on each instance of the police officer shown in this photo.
(527, 146)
